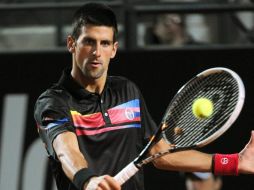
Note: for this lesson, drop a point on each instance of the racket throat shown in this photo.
(174, 148)
(151, 158)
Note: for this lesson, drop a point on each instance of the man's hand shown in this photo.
(104, 182)
(246, 157)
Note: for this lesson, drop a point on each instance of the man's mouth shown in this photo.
(95, 64)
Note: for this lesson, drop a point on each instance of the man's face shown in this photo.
(92, 51)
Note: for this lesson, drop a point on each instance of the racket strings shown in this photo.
(184, 129)
(206, 128)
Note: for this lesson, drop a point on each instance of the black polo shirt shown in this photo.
(111, 127)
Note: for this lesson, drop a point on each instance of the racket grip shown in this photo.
(126, 173)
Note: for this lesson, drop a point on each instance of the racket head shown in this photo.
(224, 88)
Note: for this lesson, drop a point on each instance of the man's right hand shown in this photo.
(104, 182)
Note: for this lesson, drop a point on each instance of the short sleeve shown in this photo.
(52, 118)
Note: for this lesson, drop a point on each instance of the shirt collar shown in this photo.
(69, 83)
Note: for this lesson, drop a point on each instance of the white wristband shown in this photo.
(93, 183)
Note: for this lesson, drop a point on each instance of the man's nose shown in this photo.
(97, 51)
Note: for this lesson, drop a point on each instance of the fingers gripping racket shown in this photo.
(182, 129)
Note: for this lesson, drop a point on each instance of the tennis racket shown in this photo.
(181, 129)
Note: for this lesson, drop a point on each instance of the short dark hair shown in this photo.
(96, 14)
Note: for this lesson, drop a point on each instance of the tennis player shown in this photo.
(93, 124)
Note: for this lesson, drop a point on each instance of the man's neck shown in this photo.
(95, 88)
(91, 85)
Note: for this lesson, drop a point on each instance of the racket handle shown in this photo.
(126, 173)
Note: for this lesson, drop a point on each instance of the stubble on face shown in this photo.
(93, 73)
(94, 51)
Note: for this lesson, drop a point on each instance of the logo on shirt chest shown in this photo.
(129, 114)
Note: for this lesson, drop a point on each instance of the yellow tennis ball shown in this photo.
(202, 108)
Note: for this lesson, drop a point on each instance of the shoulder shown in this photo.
(53, 96)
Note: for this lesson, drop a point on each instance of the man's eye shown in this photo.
(105, 43)
(88, 42)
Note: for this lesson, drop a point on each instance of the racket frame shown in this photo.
(132, 168)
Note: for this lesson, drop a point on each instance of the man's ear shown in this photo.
(70, 44)
(115, 47)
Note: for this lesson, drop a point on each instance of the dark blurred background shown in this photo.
(162, 45)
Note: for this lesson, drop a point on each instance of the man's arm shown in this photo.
(188, 161)
(67, 150)
(72, 160)
(193, 160)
